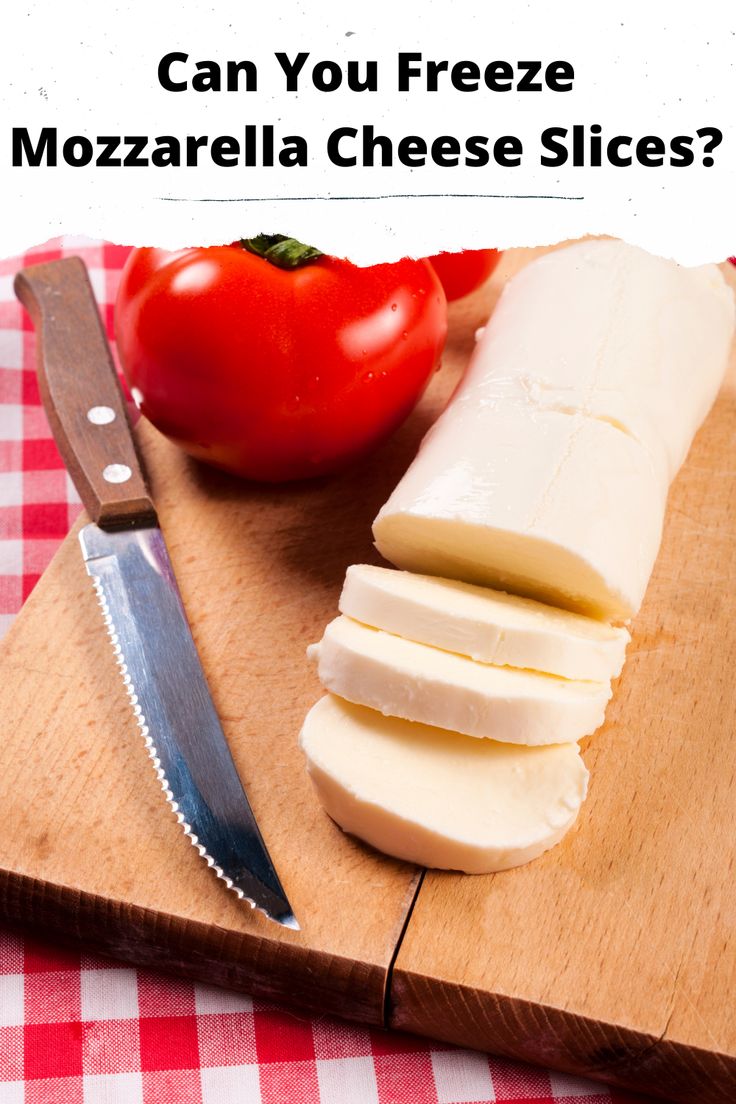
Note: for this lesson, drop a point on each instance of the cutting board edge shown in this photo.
(241, 961)
(551, 1037)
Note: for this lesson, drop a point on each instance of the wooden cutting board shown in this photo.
(614, 955)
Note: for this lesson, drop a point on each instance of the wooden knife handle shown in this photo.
(82, 394)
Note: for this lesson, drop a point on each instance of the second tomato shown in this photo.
(461, 273)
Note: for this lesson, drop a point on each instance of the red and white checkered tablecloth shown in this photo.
(78, 1029)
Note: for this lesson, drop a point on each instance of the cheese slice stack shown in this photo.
(547, 474)
(452, 738)
(437, 793)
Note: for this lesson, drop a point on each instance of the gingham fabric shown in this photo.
(77, 1029)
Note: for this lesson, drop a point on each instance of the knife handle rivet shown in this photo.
(100, 415)
(116, 473)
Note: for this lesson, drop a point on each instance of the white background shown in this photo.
(641, 68)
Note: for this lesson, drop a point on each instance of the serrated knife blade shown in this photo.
(126, 557)
(145, 619)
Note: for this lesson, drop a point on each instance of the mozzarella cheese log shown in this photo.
(486, 625)
(617, 334)
(548, 472)
(564, 509)
(438, 798)
(401, 678)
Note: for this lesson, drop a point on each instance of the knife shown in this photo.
(125, 554)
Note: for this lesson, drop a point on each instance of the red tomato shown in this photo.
(270, 373)
(462, 273)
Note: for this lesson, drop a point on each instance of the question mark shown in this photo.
(714, 137)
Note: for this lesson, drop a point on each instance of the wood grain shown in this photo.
(614, 955)
(76, 374)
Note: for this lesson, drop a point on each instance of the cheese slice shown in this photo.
(548, 472)
(438, 798)
(401, 678)
(488, 625)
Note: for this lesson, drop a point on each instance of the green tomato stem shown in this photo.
(281, 251)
